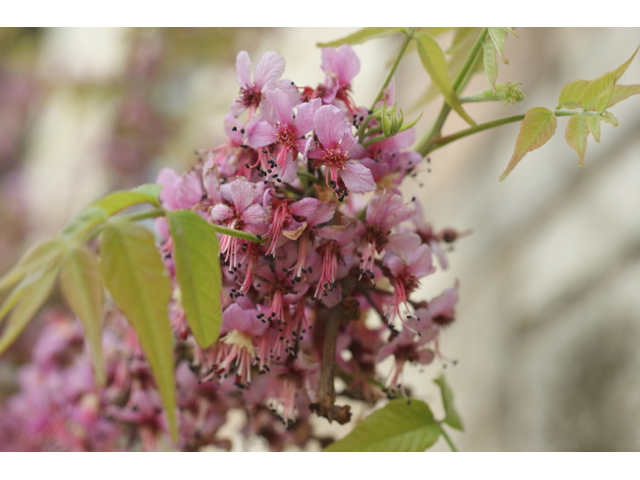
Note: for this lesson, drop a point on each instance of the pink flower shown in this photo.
(265, 77)
(340, 65)
(336, 143)
(179, 192)
(284, 132)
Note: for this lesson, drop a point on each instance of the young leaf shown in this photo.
(83, 221)
(397, 427)
(536, 129)
(593, 123)
(81, 286)
(601, 85)
(576, 135)
(451, 415)
(609, 118)
(32, 298)
(622, 92)
(461, 36)
(361, 36)
(498, 37)
(436, 66)
(198, 271)
(117, 201)
(604, 99)
(40, 256)
(134, 274)
(490, 64)
(571, 94)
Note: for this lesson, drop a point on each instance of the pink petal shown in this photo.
(421, 262)
(167, 178)
(289, 89)
(243, 69)
(315, 211)
(357, 178)
(395, 264)
(304, 118)
(425, 356)
(330, 125)
(404, 244)
(242, 194)
(254, 219)
(261, 134)
(281, 104)
(220, 213)
(269, 69)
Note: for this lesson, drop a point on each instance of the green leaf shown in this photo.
(622, 92)
(32, 298)
(81, 286)
(237, 233)
(571, 94)
(397, 427)
(361, 36)
(436, 66)
(609, 118)
(451, 415)
(40, 256)
(576, 135)
(117, 201)
(536, 129)
(135, 275)
(498, 37)
(461, 36)
(490, 64)
(593, 123)
(83, 221)
(196, 251)
(604, 99)
(601, 85)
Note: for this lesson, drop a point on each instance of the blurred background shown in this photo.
(548, 321)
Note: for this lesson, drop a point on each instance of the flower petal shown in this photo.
(304, 118)
(243, 68)
(261, 134)
(280, 102)
(330, 125)
(269, 69)
(357, 178)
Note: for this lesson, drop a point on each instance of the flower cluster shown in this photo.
(326, 290)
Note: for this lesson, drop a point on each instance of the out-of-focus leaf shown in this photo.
(622, 92)
(361, 36)
(81, 286)
(461, 36)
(452, 418)
(498, 37)
(135, 275)
(537, 127)
(576, 135)
(593, 123)
(117, 201)
(40, 256)
(436, 66)
(31, 300)
(490, 64)
(196, 251)
(397, 427)
(601, 85)
(571, 94)
(609, 118)
(507, 93)
(83, 221)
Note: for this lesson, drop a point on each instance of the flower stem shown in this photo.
(423, 146)
(403, 48)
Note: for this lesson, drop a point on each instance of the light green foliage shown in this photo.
(610, 119)
(576, 135)
(82, 222)
(536, 129)
(34, 291)
(117, 201)
(622, 92)
(571, 94)
(593, 123)
(435, 64)
(599, 90)
(82, 288)
(498, 37)
(39, 257)
(362, 35)
(196, 251)
(451, 415)
(136, 278)
(507, 93)
(490, 63)
(399, 426)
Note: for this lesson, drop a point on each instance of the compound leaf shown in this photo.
(571, 94)
(397, 427)
(537, 127)
(452, 418)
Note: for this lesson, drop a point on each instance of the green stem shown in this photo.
(403, 48)
(238, 234)
(461, 80)
(448, 439)
(442, 141)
